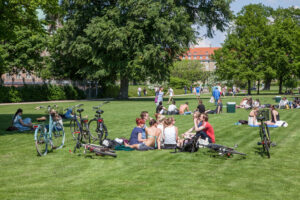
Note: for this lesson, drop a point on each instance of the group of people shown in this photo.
(286, 104)
(163, 134)
(139, 91)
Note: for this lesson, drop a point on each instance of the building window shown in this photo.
(189, 57)
(28, 75)
(206, 57)
(183, 57)
(195, 57)
(201, 57)
(19, 76)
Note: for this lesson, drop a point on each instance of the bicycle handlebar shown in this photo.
(76, 106)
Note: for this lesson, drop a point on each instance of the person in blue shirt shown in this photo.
(216, 94)
(22, 125)
(145, 116)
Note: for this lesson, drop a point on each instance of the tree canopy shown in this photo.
(261, 45)
(128, 39)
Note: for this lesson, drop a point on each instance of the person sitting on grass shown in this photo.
(201, 107)
(218, 109)
(172, 109)
(252, 120)
(22, 125)
(243, 103)
(170, 136)
(274, 116)
(284, 103)
(145, 116)
(184, 109)
(160, 109)
(256, 103)
(204, 130)
(153, 134)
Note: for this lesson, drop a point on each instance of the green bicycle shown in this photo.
(50, 136)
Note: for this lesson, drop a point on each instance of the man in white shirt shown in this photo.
(172, 109)
(283, 102)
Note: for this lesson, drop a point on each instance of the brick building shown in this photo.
(203, 54)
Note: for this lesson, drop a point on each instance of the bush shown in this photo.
(111, 91)
(178, 83)
(39, 93)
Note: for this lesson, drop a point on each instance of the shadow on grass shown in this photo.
(259, 150)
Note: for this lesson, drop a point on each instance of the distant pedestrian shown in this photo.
(185, 89)
(145, 91)
(160, 95)
(191, 88)
(139, 91)
(216, 95)
(171, 94)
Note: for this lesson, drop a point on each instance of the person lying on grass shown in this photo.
(153, 136)
(218, 109)
(22, 125)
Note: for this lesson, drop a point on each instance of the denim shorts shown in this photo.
(142, 146)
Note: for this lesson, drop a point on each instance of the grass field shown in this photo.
(153, 174)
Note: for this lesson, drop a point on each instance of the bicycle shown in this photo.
(264, 135)
(74, 124)
(84, 138)
(98, 126)
(223, 150)
(52, 134)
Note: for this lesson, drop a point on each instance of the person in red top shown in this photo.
(204, 129)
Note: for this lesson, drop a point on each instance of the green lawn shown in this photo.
(153, 174)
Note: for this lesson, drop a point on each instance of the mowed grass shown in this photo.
(153, 174)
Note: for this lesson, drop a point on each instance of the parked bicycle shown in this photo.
(50, 136)
(98, 130)
(264, 136)
(78, 126)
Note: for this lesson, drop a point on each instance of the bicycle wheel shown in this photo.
(93, 130)
(266, 146)
(74, 129)
(41, 142)
(268, 135)
(105, 153)
(58, 136)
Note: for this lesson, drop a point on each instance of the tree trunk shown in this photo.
(124, 88)
(280, 85)
(249, 87)
(258, 86)
(267, 84)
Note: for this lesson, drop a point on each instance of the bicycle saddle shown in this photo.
(100, 111)
(80, 110)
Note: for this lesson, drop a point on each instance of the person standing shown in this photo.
(185, 89)
(216, 95)
(160, 95)
(233, 90)
(197, 92)
(145, 91)
(171, 94)
(191, 89)
(139, 91)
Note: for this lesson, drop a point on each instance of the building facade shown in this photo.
(203, 54)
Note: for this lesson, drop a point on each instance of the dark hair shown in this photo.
(200, 101)
(205, 117)
(160, 103)
(173, 102)
(168, 121)
(18, 111)
(187, 103)
(139, 121)
(143, 114)
(152, 122)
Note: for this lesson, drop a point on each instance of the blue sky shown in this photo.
(236, 6)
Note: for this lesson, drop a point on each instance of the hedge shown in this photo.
(39, 93)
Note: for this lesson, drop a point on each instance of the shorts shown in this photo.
(198, 94)
(144, 147)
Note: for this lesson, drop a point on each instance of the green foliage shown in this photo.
(291, 83)
(131, 39)
(39, 93)
(191, 70)
(178, 83)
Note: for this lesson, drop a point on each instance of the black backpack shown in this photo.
(191, 145)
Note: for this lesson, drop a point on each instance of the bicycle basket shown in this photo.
(263, 115)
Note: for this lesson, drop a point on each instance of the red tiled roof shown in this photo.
(200, 53)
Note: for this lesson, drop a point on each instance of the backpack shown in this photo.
(191, 145)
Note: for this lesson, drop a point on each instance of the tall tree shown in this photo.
(242, 55)
(131, 38)
(283, 52)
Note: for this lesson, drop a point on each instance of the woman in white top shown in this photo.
(171, 94)
(170, 135)
(252, 120)
(160, 124)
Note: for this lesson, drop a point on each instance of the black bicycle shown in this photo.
(76, 125)
(98, 130)
(223, 150)
(265, 136)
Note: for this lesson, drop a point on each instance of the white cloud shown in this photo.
(202, 43)
(296, 7)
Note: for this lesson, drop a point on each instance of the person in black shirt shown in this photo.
(201, 107)
(218, 109)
